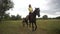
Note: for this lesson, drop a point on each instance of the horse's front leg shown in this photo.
(23, 23)
(32, 27)
(35, 25)
(27, 23)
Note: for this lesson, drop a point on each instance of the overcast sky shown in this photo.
(47, 7)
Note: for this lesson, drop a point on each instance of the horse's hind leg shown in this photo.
(23, 23)
(27, 23)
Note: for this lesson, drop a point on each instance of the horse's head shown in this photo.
(37, 11)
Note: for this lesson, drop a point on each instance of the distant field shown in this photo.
(44, 27)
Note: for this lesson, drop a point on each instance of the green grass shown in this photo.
(44, 27)
(51, 26)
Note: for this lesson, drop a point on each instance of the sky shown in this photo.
(47, 7)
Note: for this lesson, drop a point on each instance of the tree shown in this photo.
(18, 17)
(6, 16)
(4, 6)
(58, 17)
(45, 17)
(13, 17)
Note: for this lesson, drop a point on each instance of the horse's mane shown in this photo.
(35, 10)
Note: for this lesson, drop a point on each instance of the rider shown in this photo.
(30, 10)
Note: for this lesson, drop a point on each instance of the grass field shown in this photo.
(51, 26)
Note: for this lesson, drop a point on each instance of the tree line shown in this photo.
(12, 17)
(46, 17)
(18, 17)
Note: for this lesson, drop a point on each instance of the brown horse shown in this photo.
(32, 19)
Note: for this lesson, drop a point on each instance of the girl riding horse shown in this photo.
(32, 18)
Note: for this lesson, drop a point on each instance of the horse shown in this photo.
(31, 19)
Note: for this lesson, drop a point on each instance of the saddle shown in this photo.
(30, 15)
